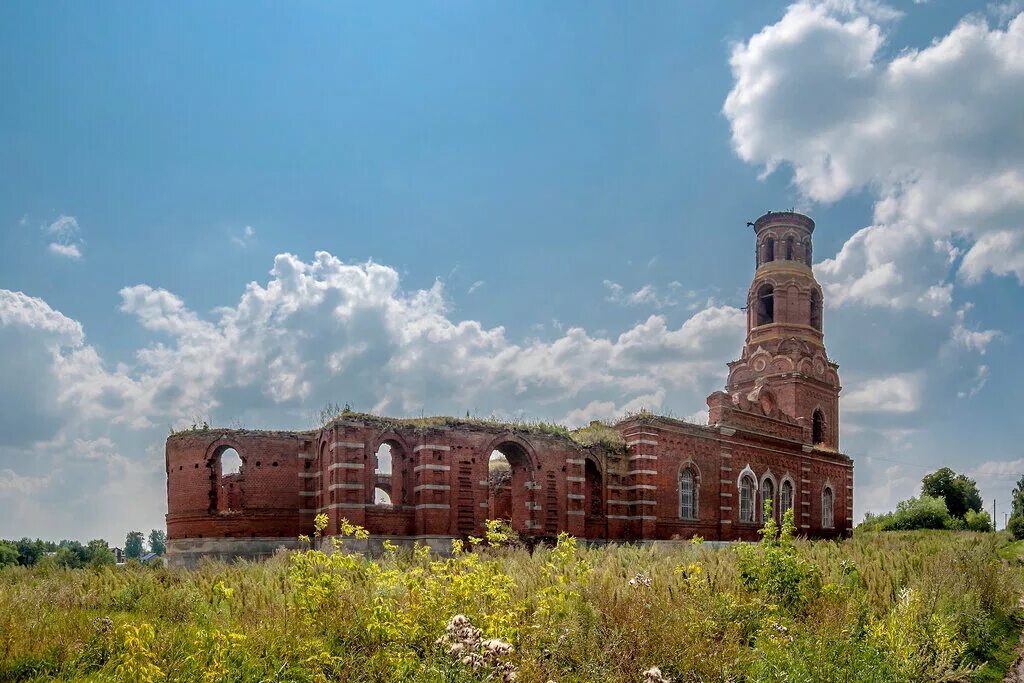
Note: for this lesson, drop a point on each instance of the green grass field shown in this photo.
(1012, 551)
(888, 606)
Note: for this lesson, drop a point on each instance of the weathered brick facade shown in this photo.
(773, 433)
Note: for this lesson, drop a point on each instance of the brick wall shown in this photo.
(438, 482)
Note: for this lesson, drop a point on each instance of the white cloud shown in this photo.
(968, 339)
(608, 411)
(475, 286)
(900, 393)
(245, 239)
(10, 481)
(999, 469)
(314, 331)
(66, 236)
(70, 251)
(1001, 253)
(325, 324)
(977, 384)
(935, 133)
(648, 295)
(699, 418)
(889, 486)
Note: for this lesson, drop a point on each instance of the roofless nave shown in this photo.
(773, 434)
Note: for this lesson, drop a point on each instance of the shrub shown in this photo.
(882, 607)
(926, 512)
(776, 570)
(8, 554)
(1016, 526)
(977, 521)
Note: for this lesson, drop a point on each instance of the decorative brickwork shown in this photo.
(777, 422)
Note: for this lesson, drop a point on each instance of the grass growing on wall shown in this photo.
(913, 606)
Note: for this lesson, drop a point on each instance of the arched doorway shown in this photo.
(511, 487)
(595, 525)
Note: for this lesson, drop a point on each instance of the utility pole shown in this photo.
(993, 513)
(1006, 519)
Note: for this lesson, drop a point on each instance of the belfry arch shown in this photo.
(764, 305)
(818, 427)
(816, 309)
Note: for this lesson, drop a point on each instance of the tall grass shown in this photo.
(879, 607)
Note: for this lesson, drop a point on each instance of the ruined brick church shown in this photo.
(773, 434)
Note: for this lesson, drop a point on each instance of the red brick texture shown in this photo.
(774, 432)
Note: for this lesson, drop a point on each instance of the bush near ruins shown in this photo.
(948, 501)
(914, 606)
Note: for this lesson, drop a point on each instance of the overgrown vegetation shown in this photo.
(68, 554)
(918, 606)
(948, 501)
(1016, 521)
(597, 433)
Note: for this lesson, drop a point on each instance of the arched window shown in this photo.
(815, 309)
(785, 498)
(789, 248)
(382, 481)
(826, 508)
(764, 305)
(688, 487)
(769, 249)
(230, 462)
(383, 460)
(230, 479)
(818, 427)
(747, 490)
(767, 496)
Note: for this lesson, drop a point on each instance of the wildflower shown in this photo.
(640, 579)
(497, 647)
(654, 675)
(464, 643)
(103, 625)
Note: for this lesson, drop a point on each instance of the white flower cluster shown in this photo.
(640, 580)
(654, 675)
(463, 641)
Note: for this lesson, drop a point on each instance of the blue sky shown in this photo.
(528, 209)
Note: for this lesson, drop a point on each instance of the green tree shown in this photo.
(978, 521)
(30, 552)
(1018, 498)
(133, 544)
(1016, 526)
(8, 553)
(70, 554)
(99, 553)
(960, 492)
(158, 541)
(926, 512)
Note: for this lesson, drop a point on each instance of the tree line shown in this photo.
(948, 501)
(75, 555)
(1016, 521)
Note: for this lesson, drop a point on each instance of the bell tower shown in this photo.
(785, 348)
